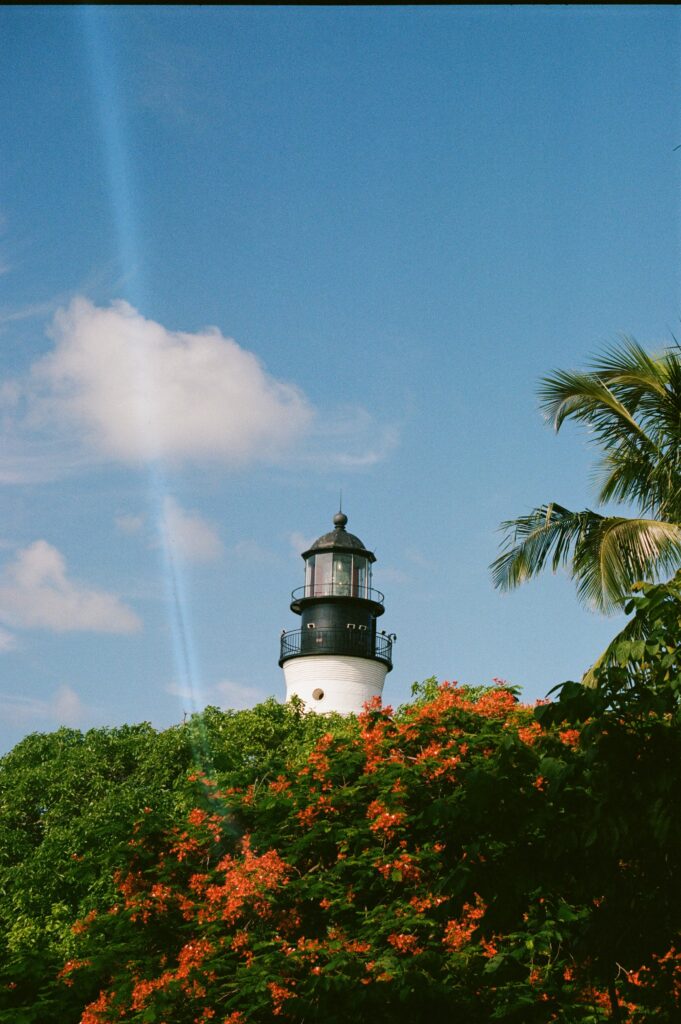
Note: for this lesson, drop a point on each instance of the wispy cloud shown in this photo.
(253, 552)
(389, 574)
(7, 640)
(37, 593)
(129, 524)
(189, 535)
(226, 693)
(5, 265)
(418, 558)
(300, 542)
(68, 708)
(31, 311)
(348, 438)
(237, 695)
(64, 707)
(39, 462)
(168, 83)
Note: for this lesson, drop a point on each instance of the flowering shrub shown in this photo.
(461, 859)
(465, 858)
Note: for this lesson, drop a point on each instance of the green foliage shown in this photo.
(463, 858)
(69, 802)
(640, 670)
(631, 403)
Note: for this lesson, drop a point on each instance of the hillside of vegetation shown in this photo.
(464, 857)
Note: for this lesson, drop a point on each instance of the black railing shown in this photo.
(357, 642)
(338, 590)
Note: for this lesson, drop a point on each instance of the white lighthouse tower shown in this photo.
(337, 660)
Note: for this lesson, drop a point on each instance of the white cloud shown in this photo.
(116, 386)
(63, 708)
(35, 592)
(189, 535)
(138, 391)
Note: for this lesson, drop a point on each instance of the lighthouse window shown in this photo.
(342, 574)
(337, 574)
(359, 576)
(309, 576)
(318, 694)
(323, 570)
(311, 625)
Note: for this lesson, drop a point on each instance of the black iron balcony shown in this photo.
(355, 642)
(337, 590)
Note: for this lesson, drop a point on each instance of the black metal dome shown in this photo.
(339, 540)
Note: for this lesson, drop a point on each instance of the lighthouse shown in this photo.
(337, 659)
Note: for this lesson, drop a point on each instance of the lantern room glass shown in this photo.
(342, 575)
(361, 576)
(337, 574)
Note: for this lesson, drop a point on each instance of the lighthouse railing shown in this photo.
(338, 590)
(332, 640)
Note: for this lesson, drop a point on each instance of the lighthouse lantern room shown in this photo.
(338, 659)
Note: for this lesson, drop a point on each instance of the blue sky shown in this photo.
(253, 255)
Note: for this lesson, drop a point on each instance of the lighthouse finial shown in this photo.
(340, 518)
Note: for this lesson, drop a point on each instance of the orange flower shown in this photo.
(384, 821)
(279, 785)
(69, 967)
(529, 734)
(458, 932)
(93, 1013)
(495, 704)
(405, 943)
(404, 864)
(79, 927)
(423, 903)
(279, 994)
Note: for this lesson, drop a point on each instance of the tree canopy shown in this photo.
(464, 857)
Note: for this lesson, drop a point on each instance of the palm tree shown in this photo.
(631, 403)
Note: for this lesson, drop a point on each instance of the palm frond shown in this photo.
(653, 485)
(619, 552)
(631, 402)
(605, 554)
(585, 397)
(630, 369)
(549, 532)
